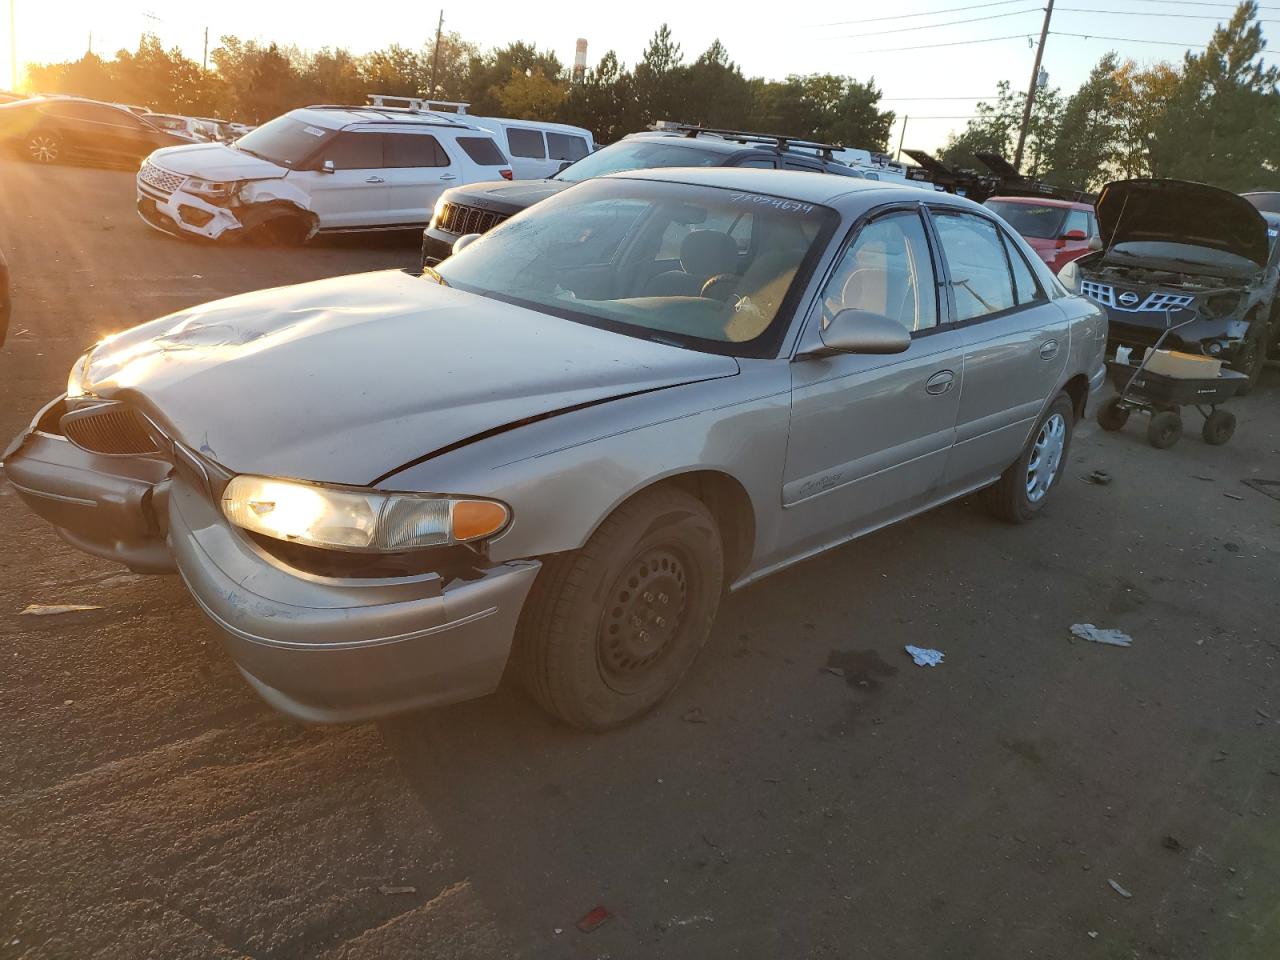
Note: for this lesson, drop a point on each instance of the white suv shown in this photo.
(317, 170)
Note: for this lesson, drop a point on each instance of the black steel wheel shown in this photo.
(1165, 429)
(1112, 415)
(609, 630)
(1218, 427)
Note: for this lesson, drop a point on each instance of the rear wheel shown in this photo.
(1218, 427)
(43, 147)
(1021, 491)
(1165, 429)
(1113, 415)
(609, 630)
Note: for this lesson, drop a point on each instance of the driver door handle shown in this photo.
(448, 176)
(940, 382)
(374, 180)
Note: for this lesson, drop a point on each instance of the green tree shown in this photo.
(531, 96)
(995, 130)
(659, 81)
(487, 74)
(1085, 146)
(715, 93)
(824, 107)
(604, 102)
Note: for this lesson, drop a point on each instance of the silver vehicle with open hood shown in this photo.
(558, 449)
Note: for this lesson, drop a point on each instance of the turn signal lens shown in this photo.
(354, 518)
(476, 519)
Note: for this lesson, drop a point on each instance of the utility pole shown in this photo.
(903, 136)
(90, 43)
(205, 61)
(1031, 89)
(435, 59)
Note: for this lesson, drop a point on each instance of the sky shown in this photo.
(935, 87)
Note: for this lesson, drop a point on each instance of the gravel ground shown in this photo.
(808, 792)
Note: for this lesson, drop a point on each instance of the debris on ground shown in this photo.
(1093, 934)
(834, 671)
(925, 657)
(1170, 842)
(1098, 477)
(1231, 547)
(1222, 755)
(1107, 635)
(52, 610)
(1196, 476)
(1233, 496)
(391, 891)
(695, 716)
(593, 919)
(1120, 890)
(557, 930)
(1262, 713)
(1268, 488)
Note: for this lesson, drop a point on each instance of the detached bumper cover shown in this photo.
(182, 213)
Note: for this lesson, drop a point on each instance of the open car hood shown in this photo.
(1177, 211)
(344, 380)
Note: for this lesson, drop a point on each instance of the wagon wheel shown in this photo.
(1165, 429)
(1218, 427)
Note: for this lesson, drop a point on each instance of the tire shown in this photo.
(1251, 364)
(1165, 429)
(1218, 427)
(43, 147)
(1022, 490)
(285, 231)
(593, 646)
(1112, 415)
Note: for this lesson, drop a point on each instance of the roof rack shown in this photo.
(428, 116)
(416, 104)
(780, 140)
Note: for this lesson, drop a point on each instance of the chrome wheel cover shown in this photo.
(43, 149)
(1046, 457)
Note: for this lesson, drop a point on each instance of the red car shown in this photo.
(1058, 230)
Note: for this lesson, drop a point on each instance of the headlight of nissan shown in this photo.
(355, 519)
(1069, 277)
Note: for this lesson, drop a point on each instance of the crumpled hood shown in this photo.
(504, 196)
(215, 161)
(1177, 211)
(344, 380)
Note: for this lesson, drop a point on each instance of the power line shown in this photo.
(953, 43)
(1198, 3)
(1144, 13)
(927, 13)
(1098, 36)
(983, 96)
(945, 23)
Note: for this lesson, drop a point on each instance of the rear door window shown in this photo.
(482, 150)
(354, 151)
(563, 146)
(980, 275)
(413, 150)
(1025, 287)
(526, 143)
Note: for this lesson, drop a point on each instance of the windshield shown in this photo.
(284, 140)
(707, 268)
(1031, 219)
(638, 155)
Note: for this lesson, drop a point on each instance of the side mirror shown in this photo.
(328, 167)
(1075, 236)
(861, 331)
(1095, 243)
(464, 241)
(564, 165)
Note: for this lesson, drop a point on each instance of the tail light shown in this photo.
(505, 174)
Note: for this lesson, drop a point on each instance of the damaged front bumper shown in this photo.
(184, 214)
(318, 648)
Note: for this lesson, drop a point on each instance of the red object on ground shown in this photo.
(593, 919)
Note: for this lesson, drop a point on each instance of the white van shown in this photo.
(537, 150)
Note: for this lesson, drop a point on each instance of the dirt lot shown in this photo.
(808, 792)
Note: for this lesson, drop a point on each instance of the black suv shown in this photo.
(479, 207)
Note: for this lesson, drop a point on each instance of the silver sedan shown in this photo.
(561, 447)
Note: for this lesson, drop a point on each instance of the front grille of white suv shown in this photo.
(158, 179)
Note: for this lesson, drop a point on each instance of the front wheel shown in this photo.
(1251, 362)
(1021, 491)
(610, 629)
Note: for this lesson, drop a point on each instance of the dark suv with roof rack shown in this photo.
(479, 207)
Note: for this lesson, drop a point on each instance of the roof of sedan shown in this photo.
(1045, 202)
(821, 188)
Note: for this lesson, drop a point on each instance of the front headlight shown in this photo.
(75, 379)
(215, 191)
(354, 519)
(438, 210)
(1069, 276)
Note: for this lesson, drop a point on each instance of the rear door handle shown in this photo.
(940, 382)
(1048, 349)
(448, 176)
(374, 180)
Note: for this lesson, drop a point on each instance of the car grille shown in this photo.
(1131, 302)
(111, 429)
(460, 219)
(159, 180)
